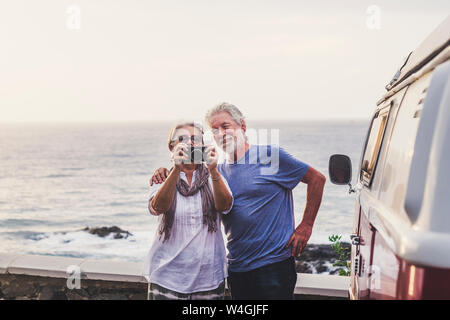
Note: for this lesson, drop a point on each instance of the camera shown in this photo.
(198, 154)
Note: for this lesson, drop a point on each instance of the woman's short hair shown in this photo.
(179, 125)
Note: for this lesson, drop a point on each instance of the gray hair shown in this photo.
(181, 124)
(234, 112)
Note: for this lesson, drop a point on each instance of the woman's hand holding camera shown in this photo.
(212, 157)
(180, 154)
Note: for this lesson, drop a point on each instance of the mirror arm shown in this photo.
(354, 189)
(351, 189)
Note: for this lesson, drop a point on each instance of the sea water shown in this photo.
(58, 178)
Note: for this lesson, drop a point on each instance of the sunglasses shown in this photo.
(185, 138)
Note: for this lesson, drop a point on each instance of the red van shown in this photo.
(401, 230)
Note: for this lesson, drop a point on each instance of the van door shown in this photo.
(363, 237)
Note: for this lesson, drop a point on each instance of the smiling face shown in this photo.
(228, 134)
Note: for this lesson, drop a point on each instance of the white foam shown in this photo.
(86, 245)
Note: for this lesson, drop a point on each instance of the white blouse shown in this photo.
(192, 259)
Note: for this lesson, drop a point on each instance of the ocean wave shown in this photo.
(21, 234)
(58, 176)
(22, 222)
(82, 244)
(117, 204)
(117, 155)
(124, 214)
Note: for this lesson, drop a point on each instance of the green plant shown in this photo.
(343, 260)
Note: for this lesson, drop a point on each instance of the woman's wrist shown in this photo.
(215, 175)
(176, 170)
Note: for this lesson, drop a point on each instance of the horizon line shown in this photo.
(169, 121)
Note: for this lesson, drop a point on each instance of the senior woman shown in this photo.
(187, 259)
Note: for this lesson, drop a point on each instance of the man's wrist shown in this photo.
(306, 224)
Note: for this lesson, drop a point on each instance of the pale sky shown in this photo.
(133, 60)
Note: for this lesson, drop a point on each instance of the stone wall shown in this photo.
(49, 278)
(24, 287)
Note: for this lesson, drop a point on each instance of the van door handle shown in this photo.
(356, 240)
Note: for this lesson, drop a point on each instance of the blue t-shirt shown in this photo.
(259, 225)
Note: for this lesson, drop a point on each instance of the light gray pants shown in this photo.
(156, 292)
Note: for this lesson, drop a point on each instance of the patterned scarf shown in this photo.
(209, 211)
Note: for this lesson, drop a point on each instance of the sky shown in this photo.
(136, 60)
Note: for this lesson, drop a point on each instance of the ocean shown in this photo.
(58, 178)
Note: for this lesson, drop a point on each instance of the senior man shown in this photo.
(262, 240)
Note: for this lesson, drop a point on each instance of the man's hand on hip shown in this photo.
(299, 239)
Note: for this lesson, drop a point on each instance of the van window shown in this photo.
(373, 145)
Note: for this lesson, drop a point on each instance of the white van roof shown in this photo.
(436, 42)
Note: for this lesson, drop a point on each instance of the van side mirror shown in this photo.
(340, 169)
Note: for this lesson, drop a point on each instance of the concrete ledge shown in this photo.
(112, 271)
(57, 267)
(44, 266)
(322, 285)
(5, 261)
(308, 285)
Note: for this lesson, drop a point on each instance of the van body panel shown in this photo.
(433, 166)
(416, 282)
(385, 270)
(393, 177)
(408, 243)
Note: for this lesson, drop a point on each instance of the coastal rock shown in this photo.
(319, 258)
(12, 289)
(51, 293)
(105, 231)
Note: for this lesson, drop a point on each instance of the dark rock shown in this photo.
(303, 267)
(138, 296)
(75, 296)
(59, 295)
(105, 231)
(109, 296)
(16, 289)
(321, 268)
(92, 291)
(317, 258)
(46, 294)
(51, 293)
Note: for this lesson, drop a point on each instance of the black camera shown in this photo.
(198, 154)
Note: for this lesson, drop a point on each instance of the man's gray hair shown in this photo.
(234, 112)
